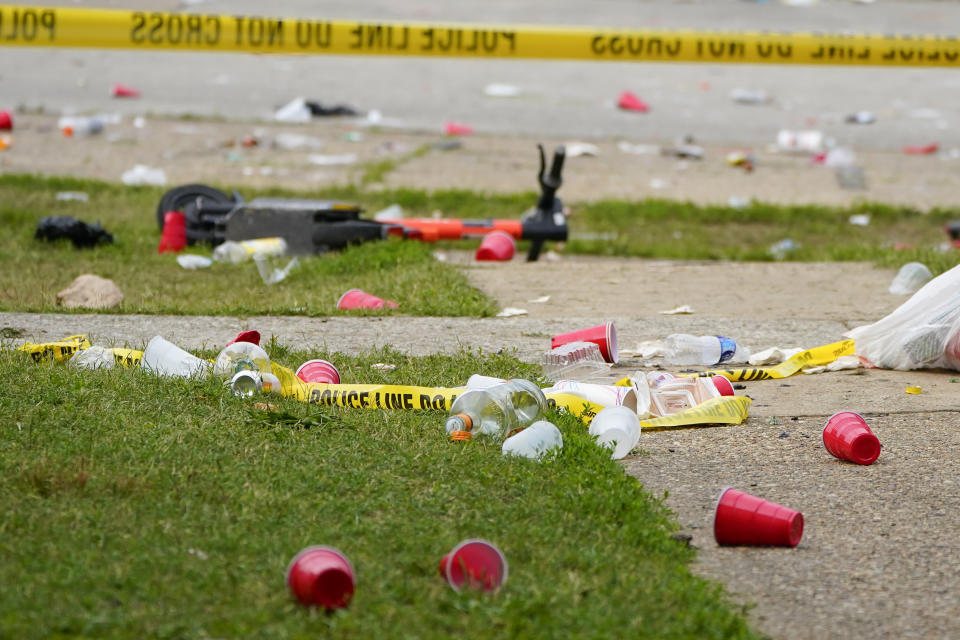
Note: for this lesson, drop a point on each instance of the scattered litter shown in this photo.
(236, 252)
(682, 309)
(686, 349)
(447, 145)
(782, 249)
(439, 256)
(497, 90)
(924, 113)
(393, 212)
(737, 202)
(838, 157)
(294, 111)
(910, 278)
(540, 300)
(6, 120)
(318, 110)
(321, 576)
(5, 142)
(773, 355)
(861, 117)
(193, 261)
(913, 390)
(123, 91)
(265, 406)
(577, 149)
(93, 358)
(139, 122)
(354, 136)
(927, 149)
(630, 102)
(638, 149)
(359, 299)
(534, 442)
(744, 519)
(658, 183)
(91, 292)
(686, 151)
(296, 141)
(509, 312)
(164, 358)
(80, 126)
(750, 96)
(497, 246)
(645, 349)
(457, 129)
(840, 364)
(577, 360)
(72, 196)
(270, 274)
(200, 555)
(142, 175)
(851, 177)
(810, 141)
(383, 366)
(80, 233)
(741, 159)
(331, 160)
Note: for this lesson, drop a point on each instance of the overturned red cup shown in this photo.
(630, 102)
(321, 576)
(722, 383)
(318, 371)
(6, 120)
(123, 91)
(253, 337)
(743, 519)
(496, 246)
(847, 436)
(474, 564)
(359, 299)
(603, 335)
(174, 236)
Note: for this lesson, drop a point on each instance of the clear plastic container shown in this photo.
(496, 410)
(574, 361)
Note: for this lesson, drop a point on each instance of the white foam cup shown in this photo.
(617, 428)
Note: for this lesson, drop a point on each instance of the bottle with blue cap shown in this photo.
(685, 349)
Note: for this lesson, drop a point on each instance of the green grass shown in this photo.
(405, 271)
(136, 507)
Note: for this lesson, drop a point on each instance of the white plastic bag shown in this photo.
(922, 333)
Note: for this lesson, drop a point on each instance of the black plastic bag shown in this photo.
(82, 234)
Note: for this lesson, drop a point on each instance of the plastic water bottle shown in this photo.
(682, 348)
(496, 410)
(80, 125)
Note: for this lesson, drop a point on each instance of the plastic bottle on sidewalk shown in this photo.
(496, 410)
(682, 348)
(80, 125)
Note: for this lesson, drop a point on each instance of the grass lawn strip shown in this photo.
(140, 506)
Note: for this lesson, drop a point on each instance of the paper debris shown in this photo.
(383, 366)
(773, 355)
(684, 308)
(509, 312)
(540, 300)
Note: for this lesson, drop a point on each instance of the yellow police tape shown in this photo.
(726, 410)
(816, 357)
(155, 30)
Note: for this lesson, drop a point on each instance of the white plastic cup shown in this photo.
(910, 278)
(534, 441)
(617, 428)
(164, 358)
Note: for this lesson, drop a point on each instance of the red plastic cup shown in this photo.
(6, 120)
(743, 519)
(359, 299)
(253, 337)
(457, 129)
(318, 371)
(476, 564)
(123, 91)
(723, 385)
(174, 237)
(603, 335)
(847, 436)
(321, 576)
(497, 246)
(629, 102)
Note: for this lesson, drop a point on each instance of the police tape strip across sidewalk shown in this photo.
(104, 28)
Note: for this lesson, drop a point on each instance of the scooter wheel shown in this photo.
(177, 198)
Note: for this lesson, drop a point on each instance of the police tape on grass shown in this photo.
(104, 28)
(726, 410)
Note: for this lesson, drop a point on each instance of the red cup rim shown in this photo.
(317, 547)
(726, 387)
(332, 366)
(453, 554)
(345, 294)
(612, 351)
